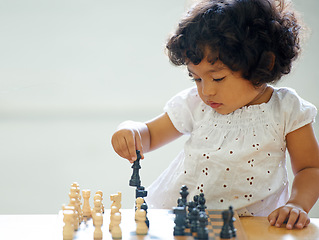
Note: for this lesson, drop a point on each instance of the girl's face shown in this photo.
(222, 89)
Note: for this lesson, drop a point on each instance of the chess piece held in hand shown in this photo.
(135, 178)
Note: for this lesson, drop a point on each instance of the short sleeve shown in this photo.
(297, 111)
(180, 108)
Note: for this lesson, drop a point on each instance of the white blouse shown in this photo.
(237, 159)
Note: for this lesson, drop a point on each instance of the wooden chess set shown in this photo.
(189, 220)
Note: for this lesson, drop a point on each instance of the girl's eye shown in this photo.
(194, 79)
(218, 79)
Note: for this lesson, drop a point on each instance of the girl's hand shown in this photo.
(291, 214)
(125, 143)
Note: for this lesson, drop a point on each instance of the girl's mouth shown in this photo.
(214, 104)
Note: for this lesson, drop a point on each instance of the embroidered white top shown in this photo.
(237, 159)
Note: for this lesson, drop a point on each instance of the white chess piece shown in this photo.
(98, 234)
(141, 227)
(86, 210)
(68, 228)
(97, 209)
(139, 202)
(116, 198)
(101, 194)
(116, 229)
(114, 210)
(75, 215)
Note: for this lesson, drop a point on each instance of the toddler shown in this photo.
(239, 126)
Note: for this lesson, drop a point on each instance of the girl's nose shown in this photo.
(208, 88)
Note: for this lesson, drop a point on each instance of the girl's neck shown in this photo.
(263, 96)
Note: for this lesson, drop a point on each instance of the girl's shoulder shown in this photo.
(290, 109)
(288, 98)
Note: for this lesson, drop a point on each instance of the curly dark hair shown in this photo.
(260, 38)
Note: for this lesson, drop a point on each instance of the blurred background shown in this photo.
(71, 71)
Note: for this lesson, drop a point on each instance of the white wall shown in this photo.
(70, 72)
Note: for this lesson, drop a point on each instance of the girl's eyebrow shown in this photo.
(211, 70)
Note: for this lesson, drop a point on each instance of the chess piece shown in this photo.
(202, 232)
(97, 209)
(191, 205)
(180, 221)
(195, 199)
(116, 200)
(231, 221)
(226, 232)
(201, 203)
(194, 220)
(101, 194)
(135, 178)
(139, 201)
(73, 205)
(86, 210)
(141, 227)
(75, 194)
(114, 210)
(68, 228)
(140, 192)
(98, 234)
(145, 207)
(116, 230)
(184, 193)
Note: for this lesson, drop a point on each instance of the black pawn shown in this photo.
(135, 178)
(201, 202)
(202, 232)
(226, 232)
(180, 220)
(231, 221)
(195, 199)
(184, 193)
(194, 220)
(191, 205)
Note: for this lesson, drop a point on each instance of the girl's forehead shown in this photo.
(207, 65)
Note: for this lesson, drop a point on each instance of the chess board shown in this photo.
(161, 226)
(215, 224)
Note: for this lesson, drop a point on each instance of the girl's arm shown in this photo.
(132, 136)
(304, 154)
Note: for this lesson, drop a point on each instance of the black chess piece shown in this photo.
(140, 192)
(202, 232)
(194, 220)
(231, 222)
(135, 178)
(226, 232)
(201, 203)
(184, 193)
(180, 220)
(190, 206)
(145, 207)
(195, 199)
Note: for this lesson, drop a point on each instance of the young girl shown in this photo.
(239, 127)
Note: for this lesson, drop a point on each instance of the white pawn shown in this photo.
(139, 202)
(141, 227)
(86, 210)
(75, 216)
(116, 229)
(97, 209)
(101, 194)
(114, 210)
(68, 228)
(78, 199)
(98, 234)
